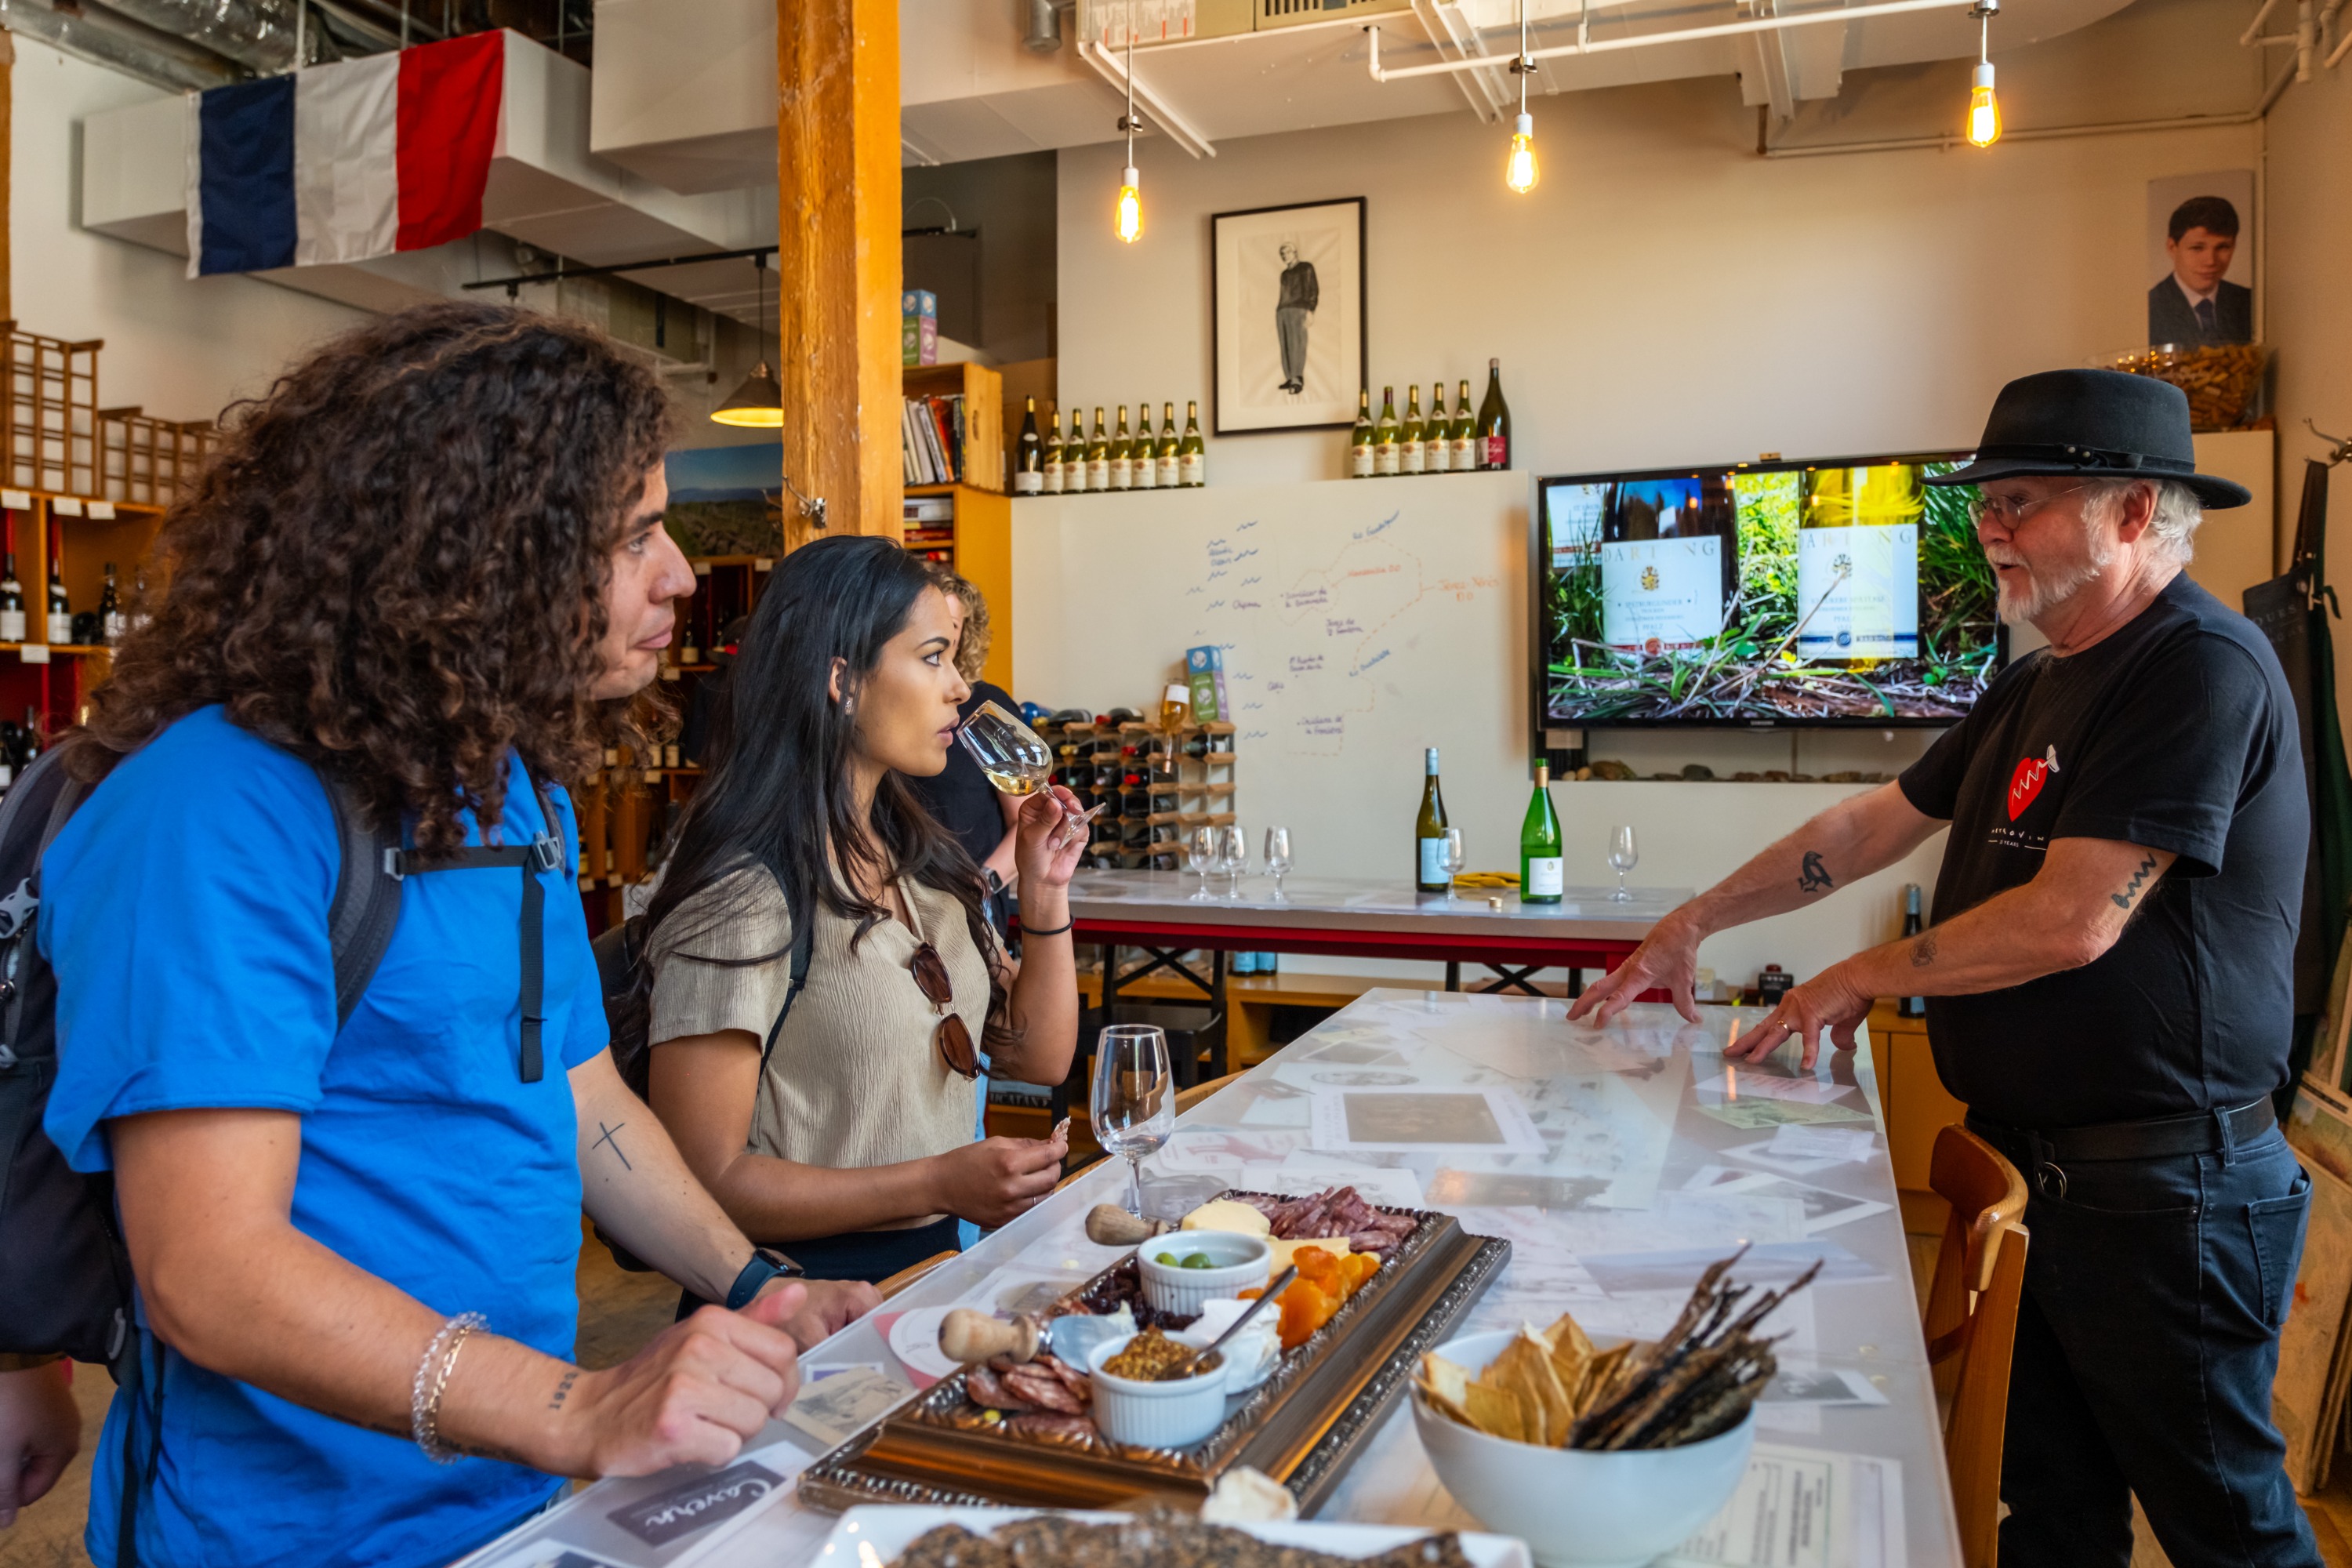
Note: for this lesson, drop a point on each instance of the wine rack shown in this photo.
(1155, 785)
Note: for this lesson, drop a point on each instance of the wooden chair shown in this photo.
(1972, 1325)
(912, 1273)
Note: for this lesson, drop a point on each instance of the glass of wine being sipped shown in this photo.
(1623, 856)
(1200, 859)
(1133, 1102)
(1233, 859)
(1277, 856)
(1008, 751)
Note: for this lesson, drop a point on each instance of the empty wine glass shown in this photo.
(1201, 858)
(1133, 1102)
(1233, 859)
(1009, 752)
(1277, 856)
(1454, 861)
(1625, 855)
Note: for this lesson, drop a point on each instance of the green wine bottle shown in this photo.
(1464, 433)
(1386, 436)
(1408, 439)
(1541, 869)
(1052, 469)
(1122, 455)
(1429, 836)
(1098, 456)
(1192, 456)
(1359, 440)
(1029, 462)
(1168, 461)
(1493, 422)
(1437, 436)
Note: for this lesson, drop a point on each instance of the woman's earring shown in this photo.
(848, 706)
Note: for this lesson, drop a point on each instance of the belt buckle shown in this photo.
(2051, 1178)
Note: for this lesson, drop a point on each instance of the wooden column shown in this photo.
(838, 256)
(7, 118)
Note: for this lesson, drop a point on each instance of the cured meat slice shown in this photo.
(984, 1387)
(1036, 1387)
(1077, 1430)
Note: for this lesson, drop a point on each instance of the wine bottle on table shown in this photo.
(1429, 836)
(1463, 433)
(1409, 438)
(1437, 436)
(1542, 871)
(1191, 454)
(1049, 470)
(1912, 1007)
(1029, 459)
(1122, 455)
(1494, 430)
(60, 626)
(1386, 436)
(12, 601)
(111, 623)
(1098, 456)
(1171, 459)
(1359, 440)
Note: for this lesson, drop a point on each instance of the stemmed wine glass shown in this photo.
(1133, 1102)
(1624, 855)
(1201, 858)
(1454, 860)
(1233, 859)
(1277, 857)
(1009, 752)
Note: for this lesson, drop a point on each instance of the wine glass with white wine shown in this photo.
(1009, 752)
(1623, 856)
(1133, 1102)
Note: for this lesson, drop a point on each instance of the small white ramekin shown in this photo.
(1174, 1414)
(1241, 1264)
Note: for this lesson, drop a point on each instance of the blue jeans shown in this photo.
(2145, 1348)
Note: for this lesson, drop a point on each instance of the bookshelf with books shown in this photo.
(952, 425)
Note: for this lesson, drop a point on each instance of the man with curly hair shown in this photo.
(429, 563)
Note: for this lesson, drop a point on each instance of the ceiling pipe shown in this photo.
(1675, 36)
(97, 35)
(257, 34)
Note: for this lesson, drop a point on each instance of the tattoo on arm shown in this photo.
(2131, 890)
(614, 1141)
(1922, 951)
(1813, 877)
(563, 1389)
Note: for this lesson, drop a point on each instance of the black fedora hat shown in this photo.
(2104, 423)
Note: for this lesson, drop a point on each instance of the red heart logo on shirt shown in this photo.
(2025, 784)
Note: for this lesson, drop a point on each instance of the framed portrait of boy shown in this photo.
(1287, 297)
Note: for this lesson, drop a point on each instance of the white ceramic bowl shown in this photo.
(1241, 1264)
(1573, 1507)
(1174, 1414)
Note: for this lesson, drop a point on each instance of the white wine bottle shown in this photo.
(1050, 473)
(1191, 454)
(1145, 454)
(1408, 439)
(1169, 460)
(1122, 455)
(1359, 440)
(1464, 433)
(1029, 459)
(1437, 436)
(1386, 436)
(1429, 836)
(1098, 456)
(1542, 870)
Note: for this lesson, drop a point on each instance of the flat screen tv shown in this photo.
(1842, 592)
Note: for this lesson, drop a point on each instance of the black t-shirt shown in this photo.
(960, 795)
(2174, 732)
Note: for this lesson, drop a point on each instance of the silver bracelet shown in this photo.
(432, 1382)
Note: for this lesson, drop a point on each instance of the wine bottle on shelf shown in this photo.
(1191, 454)
(1029, 460)
(12, 601)
(1542, 870)
(60, 626)
(1494, 433)
(1359, 440)
(1429, 836)
(1122, 455)
(1145, 454)
(1050, 464)
(1437, 436)
(1171, 454)
(1912, 1007)
(1385, 437)
(1464, 433)
(1098, 456)
(110, 624)
(1408, 439)
(138, 616)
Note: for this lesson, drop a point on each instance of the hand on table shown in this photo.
(997, 1180)
(694, 1394)
(1669, 957)
(1827, 1000)
(40, 1432)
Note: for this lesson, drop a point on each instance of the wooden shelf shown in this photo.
(58, 647)
(757, 563)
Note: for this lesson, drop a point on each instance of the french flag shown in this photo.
(343, 162)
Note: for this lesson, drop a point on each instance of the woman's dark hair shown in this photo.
(776, 789)
(396, 566)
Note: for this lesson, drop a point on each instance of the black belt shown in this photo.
(2045, 1153)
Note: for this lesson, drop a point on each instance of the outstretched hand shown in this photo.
(1667, 958)
(1826, 1002)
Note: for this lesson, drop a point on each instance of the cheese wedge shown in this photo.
(1227, 1214)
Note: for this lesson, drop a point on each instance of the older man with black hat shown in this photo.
(2108, 977)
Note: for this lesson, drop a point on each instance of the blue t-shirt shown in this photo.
(184, 909)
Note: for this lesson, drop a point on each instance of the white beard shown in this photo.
(2044, 593)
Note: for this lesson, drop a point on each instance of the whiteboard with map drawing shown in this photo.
(1360, 622)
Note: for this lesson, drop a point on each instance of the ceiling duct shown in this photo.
(256, 33)
(97, 34)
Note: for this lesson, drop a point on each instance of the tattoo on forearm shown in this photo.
(1922, 951)
(563, 1389)
(2124, 900)
(610, 1138)
(1813, 877)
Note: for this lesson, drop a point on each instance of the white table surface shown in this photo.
(1359, 903)
(1623, 1119)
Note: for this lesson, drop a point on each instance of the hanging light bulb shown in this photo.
(1520, 168)
(1130, 207)
(1984, 109)
(1129, 224)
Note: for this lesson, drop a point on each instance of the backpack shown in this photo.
(65, 1273)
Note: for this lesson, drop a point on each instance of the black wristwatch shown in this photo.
(766, 1263)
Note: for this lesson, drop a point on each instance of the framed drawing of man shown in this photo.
(1287, 295)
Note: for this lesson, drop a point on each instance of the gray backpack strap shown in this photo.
(366, 905)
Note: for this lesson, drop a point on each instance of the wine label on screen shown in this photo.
(1661, 594)
(1865, 582)
(1546, 877)
(1432, 859)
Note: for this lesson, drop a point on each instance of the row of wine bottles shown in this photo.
(1542, 864)
(61, 625)
(1378, 448)
(1119, 460)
